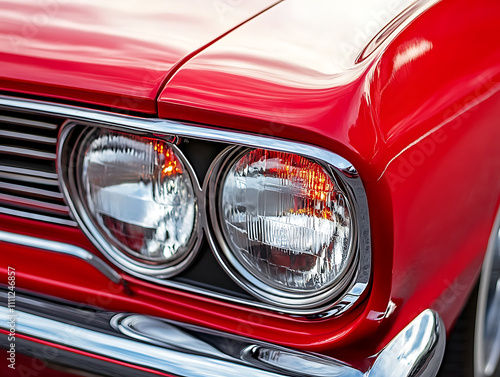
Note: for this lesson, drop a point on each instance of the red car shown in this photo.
(250, 188)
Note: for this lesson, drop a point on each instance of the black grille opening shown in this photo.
(28, 179)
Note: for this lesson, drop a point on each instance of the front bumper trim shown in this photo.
(158, 345)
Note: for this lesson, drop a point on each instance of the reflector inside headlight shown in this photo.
(286, 220)
(138, 193)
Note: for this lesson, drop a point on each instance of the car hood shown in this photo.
(302, 69)
(109, 53)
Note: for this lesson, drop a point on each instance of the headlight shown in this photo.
(287, 226)
(137, 193)
(290, 228)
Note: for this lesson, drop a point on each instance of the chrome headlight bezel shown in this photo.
(285, 298)
(69, 173)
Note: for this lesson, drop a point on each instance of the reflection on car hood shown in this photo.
(110, 53)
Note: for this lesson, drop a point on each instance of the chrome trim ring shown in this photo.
(487, 331)
(171, 130)
(69, 178)
(245, 278)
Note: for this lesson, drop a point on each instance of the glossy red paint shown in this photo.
(416, 118)
(434, 98)
(113, 54)
(274, 77)
(426, 98)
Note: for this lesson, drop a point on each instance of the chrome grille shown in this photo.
(28, 180)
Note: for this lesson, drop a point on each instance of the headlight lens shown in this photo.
(139, 195)
(286, 221)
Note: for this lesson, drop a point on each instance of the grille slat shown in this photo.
(28, 122)
(27, 172)
(30, 190)
(28, 179)
(26, 152)
(49, 208)
(23, 136)
(33, 164)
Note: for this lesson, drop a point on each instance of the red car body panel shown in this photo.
(396, 117)
(108, 54)
(411, 117)
(57, 278)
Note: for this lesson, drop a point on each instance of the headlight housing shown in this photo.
(285, 225)
(133, 192)
(137, 195)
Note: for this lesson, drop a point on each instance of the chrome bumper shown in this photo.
(137, 345)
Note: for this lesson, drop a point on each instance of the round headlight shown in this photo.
(287, 225)
(139, 196)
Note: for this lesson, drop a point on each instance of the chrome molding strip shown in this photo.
(61, 248)
(167, 127)
(191, 351)
(344, 170)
